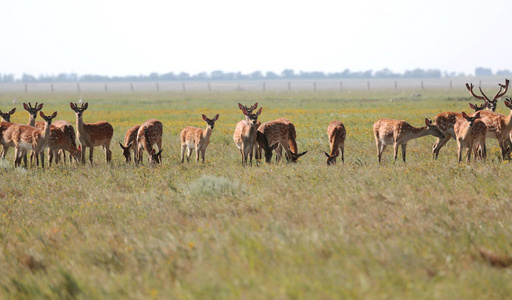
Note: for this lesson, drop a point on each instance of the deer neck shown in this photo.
(31, 120)
(80, 126)
(207, 132)
(418, 132)
(507, 122)
(45, 134)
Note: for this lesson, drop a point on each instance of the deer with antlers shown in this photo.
(130, 142)
(470, 133)
(491, 104)
(281, 132)
(399, 133)
(92, 134)
(197, 138)
(149, 133)
(336, 133)
(26, 138)
(245, 133)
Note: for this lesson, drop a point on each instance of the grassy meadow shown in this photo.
(289, 231)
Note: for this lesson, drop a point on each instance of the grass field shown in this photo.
(289, 231)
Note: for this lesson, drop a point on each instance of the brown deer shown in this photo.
(470, 132)
(60, 141)
(149, 133)
(6, 117)
(196, 138)
(398, 133)
(30, 138)
(491, 104)
(336, 133)
(282, 132)
(92, 134)
(130, 142)
(245, 133)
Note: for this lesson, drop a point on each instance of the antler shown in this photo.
(470, 89)
(499, 93)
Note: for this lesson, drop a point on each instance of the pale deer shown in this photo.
(470, 132)
(281, 132)
(30, 138)
(149, 133)
(130, 142)
(245, 133)
(336, 133)
(92, 135)
(196, 138)
(399, 133)
(6, 117)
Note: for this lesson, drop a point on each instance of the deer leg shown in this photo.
(50, 157)
(279, 153)
(82, 156)
(459, 151)
(404, 149)
(182, 153)
(197, 154)
(395, 151)
(203, 151)
(438, 145)
(91, 153)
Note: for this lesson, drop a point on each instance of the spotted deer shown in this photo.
(491, 104)
(257, 150)
(196, 138)
(336, 133)
(399, 133)
(30, 138)
(470, 132)
(130, 142)
(245, 133)
(92, 135)
(149, 133)
(281, 132)
(6, 117)
(60, 142)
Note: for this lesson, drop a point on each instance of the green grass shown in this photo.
(218, 230)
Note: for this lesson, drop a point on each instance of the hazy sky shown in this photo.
(111, 37)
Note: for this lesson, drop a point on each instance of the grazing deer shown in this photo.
(30, 138)
(470, 132)
(130, 142)
(281, 132)
(69, 135)
(396, 133)
(60, 141)
(197, 138)
(92, 134)
(149, 133)
(245, 133)
(491, 104)
(6, 117)
(336, 133)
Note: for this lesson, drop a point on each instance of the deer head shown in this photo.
(433, 130)
(491, 103)
(32, 110)
(210, 122)
(476, 107)
(331, 160)
(79, 110)
(262, 141)
(251, 118)
(48, 119)
(508, 103)
(6, 117)
(295, 157)
(126, 151)
(250, 109)
(155, 157)
(472, 119)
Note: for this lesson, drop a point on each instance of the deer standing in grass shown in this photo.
(446, 121)
(92, 135)
(196, 138)
(470, 132)
(60, 141)
(336, 133)
(399, 133)
(245, 133)
(6, 117)
(281, 133)
(30, 138)
(149, 133)
(130, 142)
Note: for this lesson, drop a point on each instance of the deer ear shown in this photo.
(204, 117)
(464, 115)
(42, 114)
(240, 106)
(327, 154)
(121, 145)
(160, 152)
(259, 111)
(86, 105)
(427, 121)
(54, 114)
(12, 111)
(25, 106)
(477, 115)
(472, 106)
(216, 117)
(40, 106)
(70, 104)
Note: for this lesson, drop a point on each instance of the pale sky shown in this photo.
(111, 37)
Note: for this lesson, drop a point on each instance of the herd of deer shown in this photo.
(250, 136)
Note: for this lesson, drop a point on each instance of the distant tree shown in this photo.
(386, 73)
(183, 76)
(201, 76)
(503, 73)
(168, 76)
(271, 75)
(217, 75)
(28, 78)
(256, 75)
(288, 73)
(154, 76)
(483, 72)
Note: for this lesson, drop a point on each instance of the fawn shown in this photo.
(197, 138)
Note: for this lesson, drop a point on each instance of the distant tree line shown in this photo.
(257, 75)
